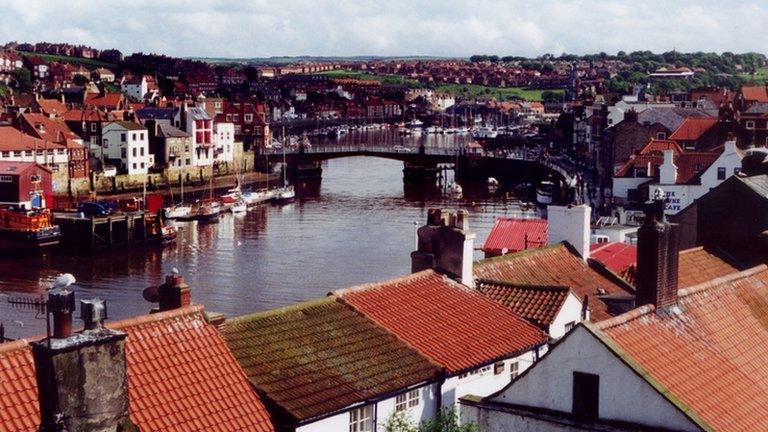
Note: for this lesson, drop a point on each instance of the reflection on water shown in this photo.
(356, 226)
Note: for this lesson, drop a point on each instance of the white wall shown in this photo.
(623, 395)
(570, 224)
(224, 139)
(138, 139)
(621, 185)
(570, 312)
(384, 409)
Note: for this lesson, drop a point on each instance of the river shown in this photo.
(356, 226)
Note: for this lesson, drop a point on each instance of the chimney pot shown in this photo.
(174, 293)
(93, 312)
(61, 304)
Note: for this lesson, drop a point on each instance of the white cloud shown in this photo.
(250, 28)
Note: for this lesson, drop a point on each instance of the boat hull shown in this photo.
(29, 241)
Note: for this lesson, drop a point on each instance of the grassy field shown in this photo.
(760, 76)
(87, 63)
(468, 91)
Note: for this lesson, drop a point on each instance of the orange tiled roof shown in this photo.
(708, 356)
(53, 130)
(18, 389)
(698, 265)
(689, 164)
(692, 128)
(516, 234)
(52, 107)
(658, 146)
(181, 376)
(538, 304)
(12, 139)
(453, 325)
(106, 100)
(554, 265)
(89, 115)
(755, 93)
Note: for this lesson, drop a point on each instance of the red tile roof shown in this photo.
(754, 93)
(453, 325)
(707, 356)
(689, 165)
(12, 139)
(698, 265)
(616, 256)
(555, 265)
(53, 130)
(516, 235)
(181, 377)
(537, 304)
(692, 128)
(658, 146)
(52, 107)
(319, 357)
(88, 115)
(18, 389)
(105, 100)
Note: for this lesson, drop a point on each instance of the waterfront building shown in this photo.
(56, 131)
(25, 184)
(223, 143)
(196, 122)
(127, 144)
(171, 147)
(87, 124)
(16, 146)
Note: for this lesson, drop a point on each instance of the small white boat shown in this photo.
(493, 184)
(485, 132)
(463, 130)
(239, 207)
(209, 211)
(177, 212)
(284, 195)
(456, 190)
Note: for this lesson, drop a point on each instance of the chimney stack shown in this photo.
(174, 293)
(657, 256)
(446, 245)
(82, 378)
(668, 169)
(571, 224)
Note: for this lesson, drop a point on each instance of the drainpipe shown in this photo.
(439, 397)
(374, 416)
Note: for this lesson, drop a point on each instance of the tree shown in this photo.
(446, 420)
(23, 80)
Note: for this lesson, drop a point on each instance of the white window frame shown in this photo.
(514, 369)
(750, 124)
(361, 419)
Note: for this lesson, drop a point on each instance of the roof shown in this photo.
(453, 325)
(689, 165)
(53, 130)
(321, 356)
(181, 376)
(707, 356)
(537, 304)
(755, 93)
(168, 131)
(516, 234)
(616, 256)
(12, 167)
(103, 99)
(52, 106)
(692, 128)
(88, 115)
(12, 139)
(19, 409)
(658, 146)
(160, 113)
(555, 265)
(698, 265)
(129, 125)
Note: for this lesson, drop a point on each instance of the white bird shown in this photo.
(21, 324)
(239, 243)
(64, 280)
(175, 271)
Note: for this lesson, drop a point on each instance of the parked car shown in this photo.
(92, 209)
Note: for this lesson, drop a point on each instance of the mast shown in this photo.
(285, 166)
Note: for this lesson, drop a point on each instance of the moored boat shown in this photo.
(208, 211)
(284, 195)
(27, 230)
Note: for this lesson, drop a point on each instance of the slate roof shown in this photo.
(516, 234)
(321, 356)
(453, 325)
(537, 304)
(181, 377)
(669, 117)
(555, 265)
(160, 113)
(168, 131)
(706, 356)
(757, 108)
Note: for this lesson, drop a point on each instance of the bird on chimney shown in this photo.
(63, 280)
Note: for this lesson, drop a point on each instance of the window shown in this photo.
(6, 154)
(248, 118)
(721, 173)
(736, 170)
(142, 165)
(141, 136)
(106, 143)
(360, 419)
(6, 179)
(123, 152)
(661, 135)
(93, 127)
(750, 124)
(407, 400)
(141, 152)
(122, 137)
(586, 394)
(474, 372)
(569, 326)
(498, 368)
(134, 165)
(514, 369)
(133, 152)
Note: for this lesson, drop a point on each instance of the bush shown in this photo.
(446, 420)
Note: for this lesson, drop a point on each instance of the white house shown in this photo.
(135, 87)
(196, 122)
(128, 143)
(224, 142)
(680, 196)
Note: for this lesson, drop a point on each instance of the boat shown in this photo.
(239, 207)
(178, 211)
(208, 211)
(545, 192)
(485, 132)
(456, 190)
(463, 130)
(23, 230)
(286, 193)
(493, 184)
(169, 234)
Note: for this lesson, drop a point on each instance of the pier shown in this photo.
(84, 234)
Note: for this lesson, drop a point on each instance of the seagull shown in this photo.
(175, 271)
(63, 280)
(21, 324)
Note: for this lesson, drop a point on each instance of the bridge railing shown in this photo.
(324, 149)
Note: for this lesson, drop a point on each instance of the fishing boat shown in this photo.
(169, 234)
(485, 132)
(23, 230)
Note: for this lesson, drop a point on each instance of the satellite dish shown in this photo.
(151, 294)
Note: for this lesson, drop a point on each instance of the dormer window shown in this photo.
(39, 127)
(661, 135)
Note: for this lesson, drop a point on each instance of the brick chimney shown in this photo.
(82, 378)
(446, 245)
(174, 293)
(657, 256)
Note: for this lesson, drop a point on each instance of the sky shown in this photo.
(450, 28)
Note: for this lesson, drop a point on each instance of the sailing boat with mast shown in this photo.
(286, 193)
(209, 209)
(180, 210)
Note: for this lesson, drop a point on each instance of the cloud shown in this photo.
(251, 28)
